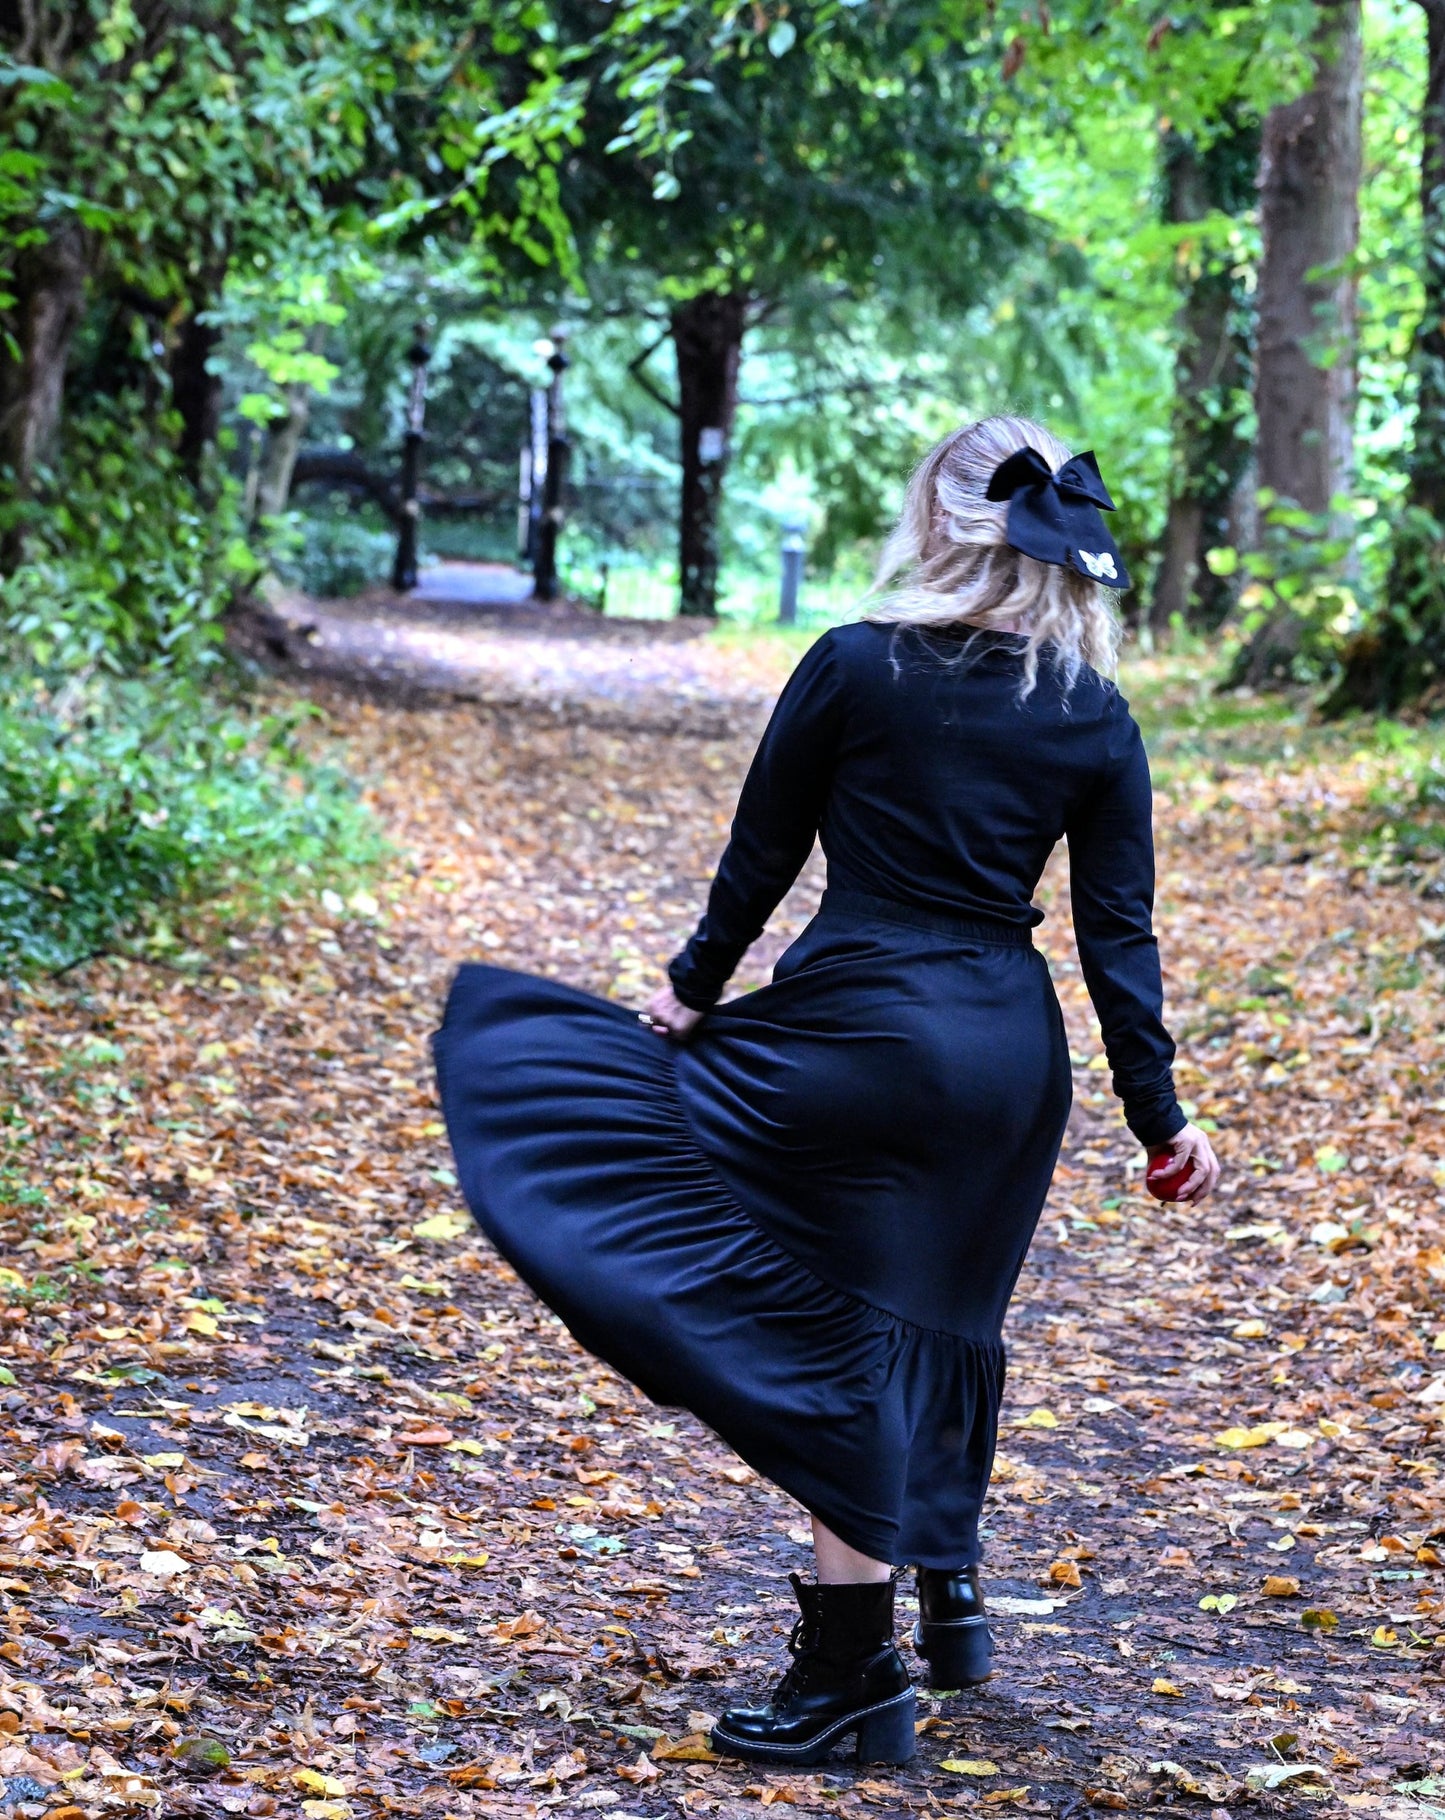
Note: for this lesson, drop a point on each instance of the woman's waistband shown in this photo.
(891, 910)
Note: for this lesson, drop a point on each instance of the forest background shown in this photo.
(306, 1506)
(1204, 241)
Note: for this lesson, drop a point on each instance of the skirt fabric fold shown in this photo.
(803, 1226)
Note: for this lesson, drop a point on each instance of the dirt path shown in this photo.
(293, 1465)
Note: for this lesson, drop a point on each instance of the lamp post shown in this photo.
(403, 573)
(792, 577)
(549, 522)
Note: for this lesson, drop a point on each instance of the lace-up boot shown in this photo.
(952, 1629)
(846, 1679)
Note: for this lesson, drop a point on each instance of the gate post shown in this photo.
(403, 574)
(545, 584)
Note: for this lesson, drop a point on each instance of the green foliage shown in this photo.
(330, 554)
(119, 797)
(1296, 575)
(1397, 656)
(845, 144)
(126, 567)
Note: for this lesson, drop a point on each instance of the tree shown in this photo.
(162, 160)
(1305, 307)
(1400, 658)
(1212, 445)
(839, 150)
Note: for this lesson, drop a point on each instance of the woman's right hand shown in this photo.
(668, 1016)
(1189, 1154)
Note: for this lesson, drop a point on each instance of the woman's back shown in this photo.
(948, 789)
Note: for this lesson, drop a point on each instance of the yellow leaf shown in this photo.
(326, 1810)
(969, 1766)
(1249, 1330)
(10, 1279)
(442, 1226)
(202, 1323)
(1161, 1686)
(1250, 1437)
(437, 1633)
(1064, 1573)
(1037, 1418)
(1384, 1637)
(465, 1447)
(317, 1783)
(1281, 1586)
(468, 1560)
(167, 1462)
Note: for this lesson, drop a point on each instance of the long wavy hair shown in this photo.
(949, 565)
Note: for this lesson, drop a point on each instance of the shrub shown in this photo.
(120, 796)
(126, 567)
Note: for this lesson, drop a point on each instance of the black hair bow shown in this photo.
(1055, 517)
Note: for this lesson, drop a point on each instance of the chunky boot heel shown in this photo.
(952, 1632)
(889, 1736)
(846, 1680)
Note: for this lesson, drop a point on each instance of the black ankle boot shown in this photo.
(846, 1677)
(952, 1629)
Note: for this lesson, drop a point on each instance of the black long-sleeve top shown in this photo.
(929, 780)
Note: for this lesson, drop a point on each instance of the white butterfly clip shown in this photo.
(1099, 563)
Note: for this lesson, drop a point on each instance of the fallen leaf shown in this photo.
(969, 1766)
(1260, 1436)
(443, 1226)
(163, 1563)
(317, 1783)
(1280, 1586)
(1037, 1418)
(694, 1748)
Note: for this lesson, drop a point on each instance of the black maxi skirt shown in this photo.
(805, 1224)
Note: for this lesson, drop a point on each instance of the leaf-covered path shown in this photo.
(307, 1508)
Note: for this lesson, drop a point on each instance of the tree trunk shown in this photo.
(1402, 657)
(1305, 340)
(707, 336)
(49, 286)
(195, 389)
(283, 445)
(1211, 451)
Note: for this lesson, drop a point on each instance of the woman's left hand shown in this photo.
(668, 1016)
(1191, 1167)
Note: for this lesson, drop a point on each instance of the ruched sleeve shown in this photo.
(1111, 871)
(773, 830)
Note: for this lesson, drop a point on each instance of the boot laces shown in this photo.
(801, 1643)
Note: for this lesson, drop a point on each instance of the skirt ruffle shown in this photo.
(579, 1162)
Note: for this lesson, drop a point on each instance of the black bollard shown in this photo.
(546, 585)
(403, 573)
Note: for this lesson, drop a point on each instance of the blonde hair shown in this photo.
(956, 569)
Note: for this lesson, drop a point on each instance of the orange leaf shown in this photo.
(471, 1775)
(1281, 1586)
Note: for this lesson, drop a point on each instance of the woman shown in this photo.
(802, 1216)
